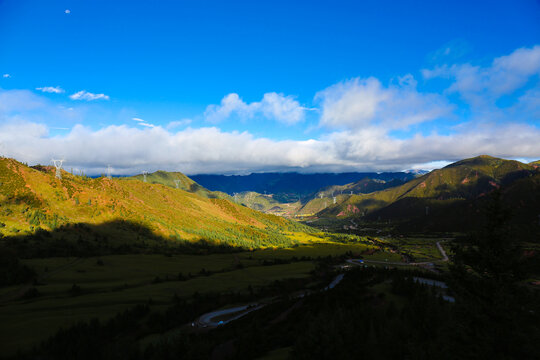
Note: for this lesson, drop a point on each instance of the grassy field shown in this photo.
(421, 249)
(110, 284)
(25, 322)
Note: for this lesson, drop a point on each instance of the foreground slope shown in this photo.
(33, 200)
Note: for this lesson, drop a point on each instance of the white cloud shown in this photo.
(282, 108)
(431, 165)
(407, 81)
(229, 104)
(88, 96)
(358, 103)
(51, 89)
(142, 122)
(179, 123)
(351, 103)
(67, 11)
(5, 76)
(484, 85)
(208, 150)
(279, 107)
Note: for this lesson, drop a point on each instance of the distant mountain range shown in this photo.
(417, 171)
(289, 187)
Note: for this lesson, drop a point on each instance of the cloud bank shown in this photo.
(359, 103)
(359, 116)
(209, 150)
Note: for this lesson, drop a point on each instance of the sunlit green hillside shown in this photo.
(266, 203)
(180, 181)
(32, 201)
(325, 197)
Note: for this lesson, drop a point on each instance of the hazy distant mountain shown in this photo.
(288, 187)
(417, 171)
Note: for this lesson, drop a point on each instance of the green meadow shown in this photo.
(106, 285)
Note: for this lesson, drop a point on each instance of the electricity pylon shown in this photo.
(58, 165)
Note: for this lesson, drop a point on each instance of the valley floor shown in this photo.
(78, 289)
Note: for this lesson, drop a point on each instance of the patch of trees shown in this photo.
(246, 238)
(349, 238)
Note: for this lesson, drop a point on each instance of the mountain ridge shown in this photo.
(185, 183)
(291, 186)
(448, 192)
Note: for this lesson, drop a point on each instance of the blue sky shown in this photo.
(235, 87)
